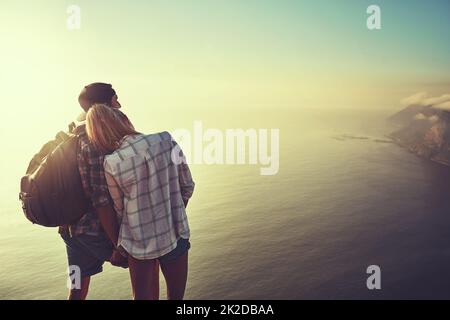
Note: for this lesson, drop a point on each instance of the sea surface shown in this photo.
(344, 199)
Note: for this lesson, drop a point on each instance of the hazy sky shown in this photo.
(234, 53)
(216, 54)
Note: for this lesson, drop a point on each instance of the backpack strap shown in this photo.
(72, 127)
(49, 147)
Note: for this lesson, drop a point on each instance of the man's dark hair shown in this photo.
(96, 93)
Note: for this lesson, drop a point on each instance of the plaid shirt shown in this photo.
(90, 166)
(149, 190)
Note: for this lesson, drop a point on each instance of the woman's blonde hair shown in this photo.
(107, 126)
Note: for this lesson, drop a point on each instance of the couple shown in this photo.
(139, 192)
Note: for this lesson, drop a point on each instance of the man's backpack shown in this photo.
(51, 192)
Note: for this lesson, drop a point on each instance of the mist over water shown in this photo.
(343, 200)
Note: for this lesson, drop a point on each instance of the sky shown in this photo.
(170, 57)
(226, 53)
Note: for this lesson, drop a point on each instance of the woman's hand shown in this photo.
(118, 259)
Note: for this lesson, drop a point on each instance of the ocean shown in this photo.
(344, 199)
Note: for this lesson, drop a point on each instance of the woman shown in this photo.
(150, 184)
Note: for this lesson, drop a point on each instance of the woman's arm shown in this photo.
(184, 177)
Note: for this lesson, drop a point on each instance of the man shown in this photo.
(93, 239)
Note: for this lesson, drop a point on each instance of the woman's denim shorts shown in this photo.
(183, 246)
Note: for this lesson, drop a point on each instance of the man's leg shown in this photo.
(80, 294)
(88, 253)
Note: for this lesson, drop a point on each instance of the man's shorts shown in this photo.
(88, 252)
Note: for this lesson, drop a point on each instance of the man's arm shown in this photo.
(92, 170)
(109, 213)
(108, 219)
(90, 164)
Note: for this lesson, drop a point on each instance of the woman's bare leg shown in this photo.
(175, 273)
(144, 276)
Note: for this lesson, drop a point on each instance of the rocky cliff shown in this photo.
(425, 131)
